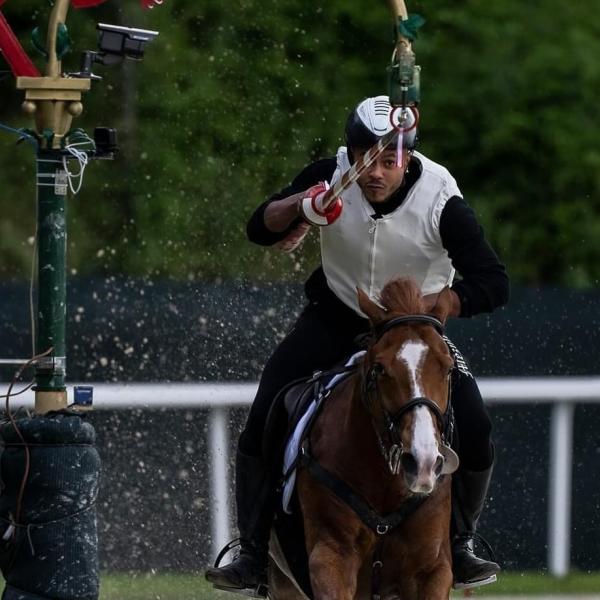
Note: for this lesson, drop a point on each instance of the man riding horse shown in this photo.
(403, 218)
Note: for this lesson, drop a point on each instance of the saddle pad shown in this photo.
(292, 446)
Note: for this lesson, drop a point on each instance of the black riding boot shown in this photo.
(254, 499)
(469, 489)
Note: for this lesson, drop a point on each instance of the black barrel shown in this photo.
(53, 552)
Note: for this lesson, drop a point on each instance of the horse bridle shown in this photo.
(393, 453)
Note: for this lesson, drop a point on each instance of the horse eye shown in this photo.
(377, 369)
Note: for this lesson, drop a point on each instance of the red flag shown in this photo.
(86, 3)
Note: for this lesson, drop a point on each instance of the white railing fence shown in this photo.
(563, 393)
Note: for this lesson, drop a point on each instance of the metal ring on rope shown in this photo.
(398, 127)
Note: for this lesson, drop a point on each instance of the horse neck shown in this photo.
(344, 441)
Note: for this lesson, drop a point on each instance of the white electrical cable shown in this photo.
(82, 158)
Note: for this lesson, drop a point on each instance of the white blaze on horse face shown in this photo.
(413, 355)
(424, 446)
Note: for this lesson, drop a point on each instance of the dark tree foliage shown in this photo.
(234, 98)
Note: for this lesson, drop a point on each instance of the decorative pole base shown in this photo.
(53, 102)
(49, 401)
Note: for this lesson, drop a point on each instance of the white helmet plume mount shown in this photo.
(375, 114)
(374, 117)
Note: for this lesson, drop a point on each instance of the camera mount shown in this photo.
(115, 44)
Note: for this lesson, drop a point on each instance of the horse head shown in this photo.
(406, 381)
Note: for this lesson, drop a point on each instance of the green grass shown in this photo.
(539, 583)
(144, 586)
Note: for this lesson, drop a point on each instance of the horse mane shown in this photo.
(403, 296)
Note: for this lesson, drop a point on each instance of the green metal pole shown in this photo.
(52, 294)
(52, 100)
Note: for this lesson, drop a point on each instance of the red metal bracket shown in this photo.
(12, 50)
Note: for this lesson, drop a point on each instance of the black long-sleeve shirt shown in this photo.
(484, 283)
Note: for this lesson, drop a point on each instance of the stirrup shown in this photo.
(474, 584)
(225, 549)
(468, 585)
(477, 537)
(260, 591)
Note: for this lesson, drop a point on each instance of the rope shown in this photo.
(13, 526)
(18, 431)
(25, 389)
(37, 445)
(53, 521)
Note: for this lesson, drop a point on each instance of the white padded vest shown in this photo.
(358, 250)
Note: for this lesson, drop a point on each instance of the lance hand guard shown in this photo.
(313, 209)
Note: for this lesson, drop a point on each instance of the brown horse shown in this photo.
(375, 491)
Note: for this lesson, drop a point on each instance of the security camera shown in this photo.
(116, 42)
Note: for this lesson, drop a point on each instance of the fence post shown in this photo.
(559, 510)
(219, 478)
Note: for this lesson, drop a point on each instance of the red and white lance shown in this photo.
(396, 134)
(323, 206)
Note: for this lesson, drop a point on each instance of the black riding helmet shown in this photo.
(370, 120)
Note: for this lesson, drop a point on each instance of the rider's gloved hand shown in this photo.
(311, 206)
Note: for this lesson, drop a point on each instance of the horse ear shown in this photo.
(370, 308)
(444, 305)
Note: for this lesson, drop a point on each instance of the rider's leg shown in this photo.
(315, 342)
(254, 501)
(470, 483)
(469, 490)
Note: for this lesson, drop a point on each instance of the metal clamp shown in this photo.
(52, 363)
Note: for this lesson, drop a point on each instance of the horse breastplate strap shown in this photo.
(381, 525)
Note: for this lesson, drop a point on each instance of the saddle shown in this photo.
(292, 402)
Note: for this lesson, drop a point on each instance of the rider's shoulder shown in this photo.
(432, 168)
(319, 170)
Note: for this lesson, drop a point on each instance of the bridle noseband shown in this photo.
(393, 453)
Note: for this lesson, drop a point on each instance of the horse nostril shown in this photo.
(439, 465)
(409, 464)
